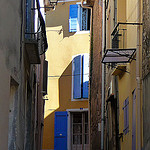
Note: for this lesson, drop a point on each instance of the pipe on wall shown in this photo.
(138, 76)
(89, 104)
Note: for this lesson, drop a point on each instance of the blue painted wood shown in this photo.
(60, 131)
(124, 109)
(126, 116)
(127, 113)
(77, 74)
(28, 19)
(73, 18)
(85, 59)
(134, 120)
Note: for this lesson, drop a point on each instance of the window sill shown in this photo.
(74, 100)
(83, 32)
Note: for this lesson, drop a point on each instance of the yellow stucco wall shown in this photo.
(62, 47)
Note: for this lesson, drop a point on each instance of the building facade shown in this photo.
(66, 110)
(146, 74)
(19, 56)
(123, 88)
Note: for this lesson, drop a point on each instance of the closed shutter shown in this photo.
(85, 59)
(77, 77)
(73, 18)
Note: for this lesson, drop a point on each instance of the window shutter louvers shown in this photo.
(73, 18)
(126, 115)
(28, 19)
(127, 108)
(85, 59)
(77, 77)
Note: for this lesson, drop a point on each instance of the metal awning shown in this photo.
(116, 55)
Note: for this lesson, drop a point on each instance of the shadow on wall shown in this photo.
(64, 97)
(60, 17)
(65, 102)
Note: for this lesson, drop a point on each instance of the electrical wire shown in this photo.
(67, 75)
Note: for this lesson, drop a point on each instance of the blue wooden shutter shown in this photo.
(28, 19)
(73, 18)
(85, 59)
(77, 77)
(60, 132)
(126, 115)
(124, 109)
(127, 109)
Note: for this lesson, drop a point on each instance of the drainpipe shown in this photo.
(138, 78)
(103, 75)
(89, 104)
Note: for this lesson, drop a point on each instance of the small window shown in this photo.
(79, 18)
(80, 72)
(126, 116)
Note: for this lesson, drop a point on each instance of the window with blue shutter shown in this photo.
(126, 116)
(28, 19)
(73, 18)
(79, 18)
(81, 76)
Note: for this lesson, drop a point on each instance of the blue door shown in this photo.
(60, 132)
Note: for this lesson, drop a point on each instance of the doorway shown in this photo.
(79, 131)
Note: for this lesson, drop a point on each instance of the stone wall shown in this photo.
(146, 38)
(146, 74)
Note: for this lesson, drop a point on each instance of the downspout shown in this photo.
(90, 71)
(103, 75)
(138, 77)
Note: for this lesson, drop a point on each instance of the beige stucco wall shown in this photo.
(126, 12)
(62, 47)
(127, 83)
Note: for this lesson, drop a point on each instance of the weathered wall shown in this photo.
(146, 74)
(17, 80)
(10, 29)
(95, 76)
(63, 45)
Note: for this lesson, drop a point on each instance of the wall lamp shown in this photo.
(53, 2)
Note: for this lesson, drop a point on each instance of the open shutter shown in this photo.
(126, 116)
(73, 18)
(60, 132)
(77, 77)
(28, 19)
(127, 109)
(45, 75)
(85, 59)
(125, 119)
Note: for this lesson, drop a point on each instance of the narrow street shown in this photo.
(75, 75)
